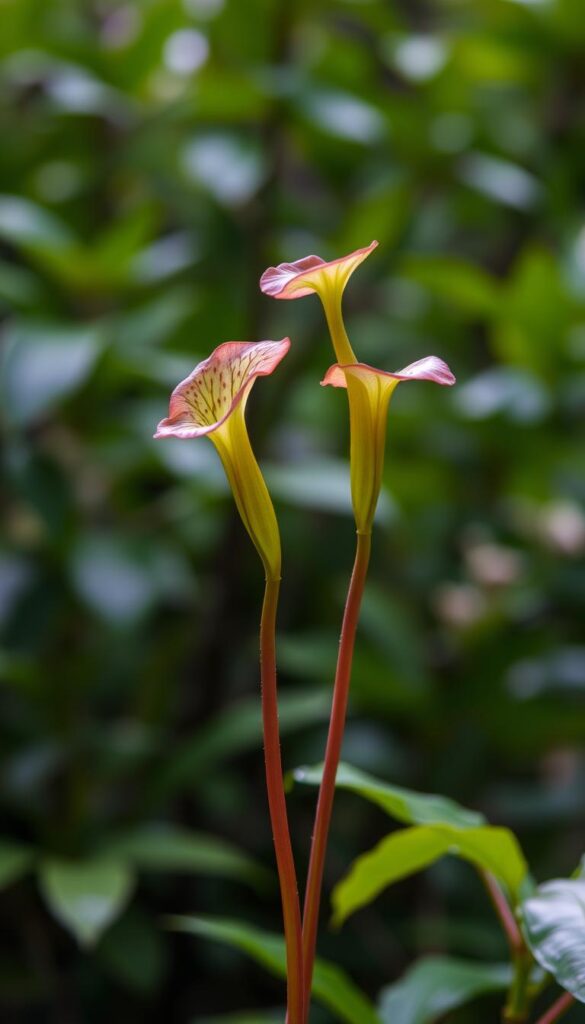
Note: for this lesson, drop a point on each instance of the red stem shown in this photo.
(502, 909)
(332, 755)
(277, 805)
(557, 1009)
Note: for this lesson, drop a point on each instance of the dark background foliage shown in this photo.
(155, 157)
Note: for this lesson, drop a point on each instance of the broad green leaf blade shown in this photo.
(15, 861)
(397, 856)
(554, 925)
(404, 852)
(168, 848)
(85, 896)
(495, 850)
(330, 984)
(404, 805)
(436, 985)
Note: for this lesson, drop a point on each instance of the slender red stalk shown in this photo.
(504, 912)
(332, 755)
(277, 805)
(556, 1011)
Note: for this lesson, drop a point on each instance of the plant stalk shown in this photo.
(277, 806)
(556, 1011)
(519, 998)
(332, 755)
(505, 915)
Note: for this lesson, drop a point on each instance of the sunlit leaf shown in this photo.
(410, 850)
(331, 985)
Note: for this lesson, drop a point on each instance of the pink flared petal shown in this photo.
(207, 397)
(429, 368)
(293, 280)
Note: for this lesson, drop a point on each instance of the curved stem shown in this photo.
(332, 755)
(504, 912)
(331, 300)
(556, 1011)
(277, 805)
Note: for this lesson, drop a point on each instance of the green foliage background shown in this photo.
(155, 157)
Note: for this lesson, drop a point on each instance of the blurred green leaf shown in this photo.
(85, 896)
(554, 925)
(436, 985)
(410, 850)
(231, 168)
(331, 986)
(461, 284)
(23, 222)
(321, 484)
(19, 288)
(43, 364)
(536, 315)
(114, 576)
(15, 861)
(404, 805)
(343, 115)
(234, 731)
(133, 952)
(500, 180)
(168, 848)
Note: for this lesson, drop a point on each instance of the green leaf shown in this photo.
(404, 852)
(234, 731)
(320, 484)
(330, 984)
(86, 896)
(25, 223)
(404, 805)
(397, 856)
(19, 287)
(455, 281)
(436, 985)
(168, 848)
(554, 925)
(15, 861)
(44, 363)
